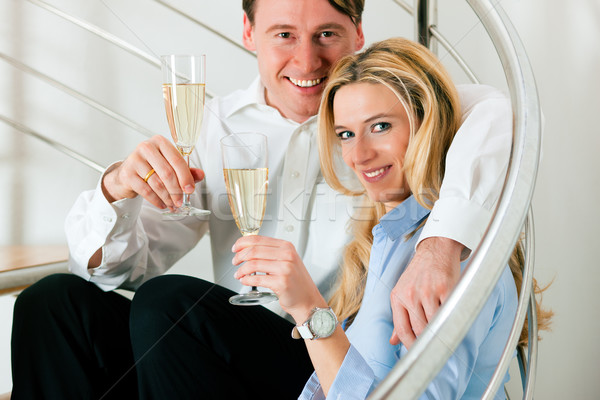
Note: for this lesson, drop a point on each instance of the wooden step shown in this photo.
(23, 265)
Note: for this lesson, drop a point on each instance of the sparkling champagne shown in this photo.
(184, 104)
(247, 189)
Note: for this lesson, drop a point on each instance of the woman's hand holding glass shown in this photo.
(285, 273)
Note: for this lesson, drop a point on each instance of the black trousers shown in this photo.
(178, 339)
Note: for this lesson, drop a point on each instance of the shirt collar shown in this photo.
(255, 95)
(404, 218)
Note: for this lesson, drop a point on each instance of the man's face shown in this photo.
(297, 42)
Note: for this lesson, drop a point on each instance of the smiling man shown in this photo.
(108, 346)
(296, 47)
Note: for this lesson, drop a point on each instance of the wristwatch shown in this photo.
(321, 323)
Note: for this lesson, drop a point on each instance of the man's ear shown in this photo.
(360, 39)
(248, 34)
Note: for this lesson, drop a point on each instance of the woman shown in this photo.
(390, 114)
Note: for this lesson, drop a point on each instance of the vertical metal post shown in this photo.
(425, 16)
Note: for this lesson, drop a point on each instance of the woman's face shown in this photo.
(374, 130)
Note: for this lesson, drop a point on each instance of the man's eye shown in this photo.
(327, 34)
(345, 135)
(381, 126)
(284, 35)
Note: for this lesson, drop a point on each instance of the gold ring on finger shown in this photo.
(149, 174)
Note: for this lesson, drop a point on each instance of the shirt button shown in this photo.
(125, 216)
(289, 228)
(107, 219)
(295, 174)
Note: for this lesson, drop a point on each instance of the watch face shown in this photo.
(323, 323)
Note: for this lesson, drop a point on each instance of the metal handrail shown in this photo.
(452, 51)
(151, 59)
(109, 37)
(407, 7)
(409, 378)
(63, 149)
(78, 95)
(205, 26)
(432, 31)
(532, 350)
(522, 309)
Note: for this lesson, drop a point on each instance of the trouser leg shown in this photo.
(190, 343)
(70, 340)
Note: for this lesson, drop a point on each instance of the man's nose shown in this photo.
(307, 57)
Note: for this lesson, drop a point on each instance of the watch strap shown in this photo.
(302, 332)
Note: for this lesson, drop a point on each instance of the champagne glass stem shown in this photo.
(253, 288)
(186, 196)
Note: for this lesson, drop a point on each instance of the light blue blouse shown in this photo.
(371, 357)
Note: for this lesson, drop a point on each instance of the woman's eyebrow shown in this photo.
(377, 116)
(366, 121)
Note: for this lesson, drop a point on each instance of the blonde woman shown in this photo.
(389, 114)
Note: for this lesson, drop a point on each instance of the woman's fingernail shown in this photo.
(188, 189)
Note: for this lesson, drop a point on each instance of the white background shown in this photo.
(40, 184)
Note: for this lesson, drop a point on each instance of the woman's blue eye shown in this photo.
(345, 135)
(381, 126)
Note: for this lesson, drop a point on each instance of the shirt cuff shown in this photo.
(110, 220)
(458, 219)
(312, 389)
(116, 217)
(354, 381)
(355, 378)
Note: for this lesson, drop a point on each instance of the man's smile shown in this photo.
(306, 83)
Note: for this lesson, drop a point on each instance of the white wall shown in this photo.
(40, 184)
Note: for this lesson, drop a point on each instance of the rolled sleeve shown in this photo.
(94, 223)
(458, 219)
(476, 166)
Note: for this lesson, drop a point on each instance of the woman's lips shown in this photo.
(374, 175)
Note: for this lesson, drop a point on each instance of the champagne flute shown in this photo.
(247, 178)
(184, 94)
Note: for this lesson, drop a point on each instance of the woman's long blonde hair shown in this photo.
(431, 102)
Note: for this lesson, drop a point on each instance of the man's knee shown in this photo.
(165, 301)
(162, 296)
(50, 292)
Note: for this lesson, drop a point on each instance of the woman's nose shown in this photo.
(362, 150)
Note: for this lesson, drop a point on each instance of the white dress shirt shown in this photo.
(138, 243)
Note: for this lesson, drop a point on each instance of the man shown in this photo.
(118, 240)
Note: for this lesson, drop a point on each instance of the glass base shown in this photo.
(253, 298)
(185, 211)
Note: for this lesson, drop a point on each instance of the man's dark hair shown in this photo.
(351, 8)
